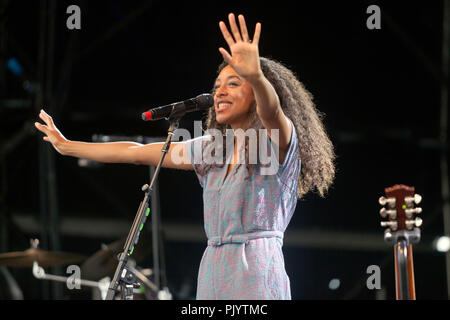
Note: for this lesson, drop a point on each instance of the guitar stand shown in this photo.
(124, 277)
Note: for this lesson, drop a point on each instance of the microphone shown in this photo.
(179, 109)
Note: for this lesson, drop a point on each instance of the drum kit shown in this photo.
(96, 270)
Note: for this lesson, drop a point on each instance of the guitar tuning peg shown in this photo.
(410, 224)
(390, 224)
(416, 199)
(384, 213)
(390, 201)
(409, 212)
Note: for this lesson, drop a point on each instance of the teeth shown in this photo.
(223, 105)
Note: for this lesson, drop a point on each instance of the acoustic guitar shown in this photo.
(403, 230)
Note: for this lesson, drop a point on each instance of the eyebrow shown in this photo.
(229, 77)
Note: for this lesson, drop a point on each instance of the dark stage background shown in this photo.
(379, 91)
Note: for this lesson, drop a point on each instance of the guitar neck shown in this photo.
(403, 229)
(404, 271)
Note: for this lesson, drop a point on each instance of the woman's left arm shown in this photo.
(269, 111)
(244, 59)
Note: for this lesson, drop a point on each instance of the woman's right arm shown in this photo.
(115, 152)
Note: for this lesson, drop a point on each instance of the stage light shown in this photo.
(334, 284)
(442, 244)
(14, 66)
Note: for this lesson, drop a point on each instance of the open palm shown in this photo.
(52, 134)
(244, 57)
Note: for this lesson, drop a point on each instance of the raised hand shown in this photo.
(53, 135)
(244, 57)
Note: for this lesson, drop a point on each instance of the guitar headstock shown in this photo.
(399, 206)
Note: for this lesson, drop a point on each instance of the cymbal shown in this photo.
(104, 262)
(25, 259)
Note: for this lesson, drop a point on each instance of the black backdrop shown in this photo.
(378, 89)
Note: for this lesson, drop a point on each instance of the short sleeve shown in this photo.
(195, 152)
(291, 163)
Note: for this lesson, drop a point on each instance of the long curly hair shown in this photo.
(316, 150)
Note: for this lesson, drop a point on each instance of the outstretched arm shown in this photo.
(115, 152)
(244, 59)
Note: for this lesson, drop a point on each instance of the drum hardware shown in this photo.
(103, 284)
(37, 259)
(26, 259)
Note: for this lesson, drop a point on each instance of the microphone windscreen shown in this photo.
(204, 101)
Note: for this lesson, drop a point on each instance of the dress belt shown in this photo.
(244, 238)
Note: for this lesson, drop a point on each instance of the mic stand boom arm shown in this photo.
(123, 276)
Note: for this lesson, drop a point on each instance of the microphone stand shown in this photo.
(124, 277)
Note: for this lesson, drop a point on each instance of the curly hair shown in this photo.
(316, 150)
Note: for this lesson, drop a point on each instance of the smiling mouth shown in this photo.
(222, 106)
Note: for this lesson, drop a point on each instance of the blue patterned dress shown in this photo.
(244, 221)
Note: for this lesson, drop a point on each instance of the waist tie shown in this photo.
(244, 238)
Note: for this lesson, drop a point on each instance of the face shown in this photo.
(233, 98)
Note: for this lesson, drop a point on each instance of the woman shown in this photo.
(246, 211)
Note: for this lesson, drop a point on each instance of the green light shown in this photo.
(404, 206)
(147, 212)
(140, 228)
(131, 252)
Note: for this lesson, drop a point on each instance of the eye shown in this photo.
(233, 83)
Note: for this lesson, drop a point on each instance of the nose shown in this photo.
(220, 91)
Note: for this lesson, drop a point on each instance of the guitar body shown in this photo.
(402, 232)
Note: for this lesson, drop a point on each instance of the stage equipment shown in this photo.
(26, 259)
(124, 277)
(402, 231)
